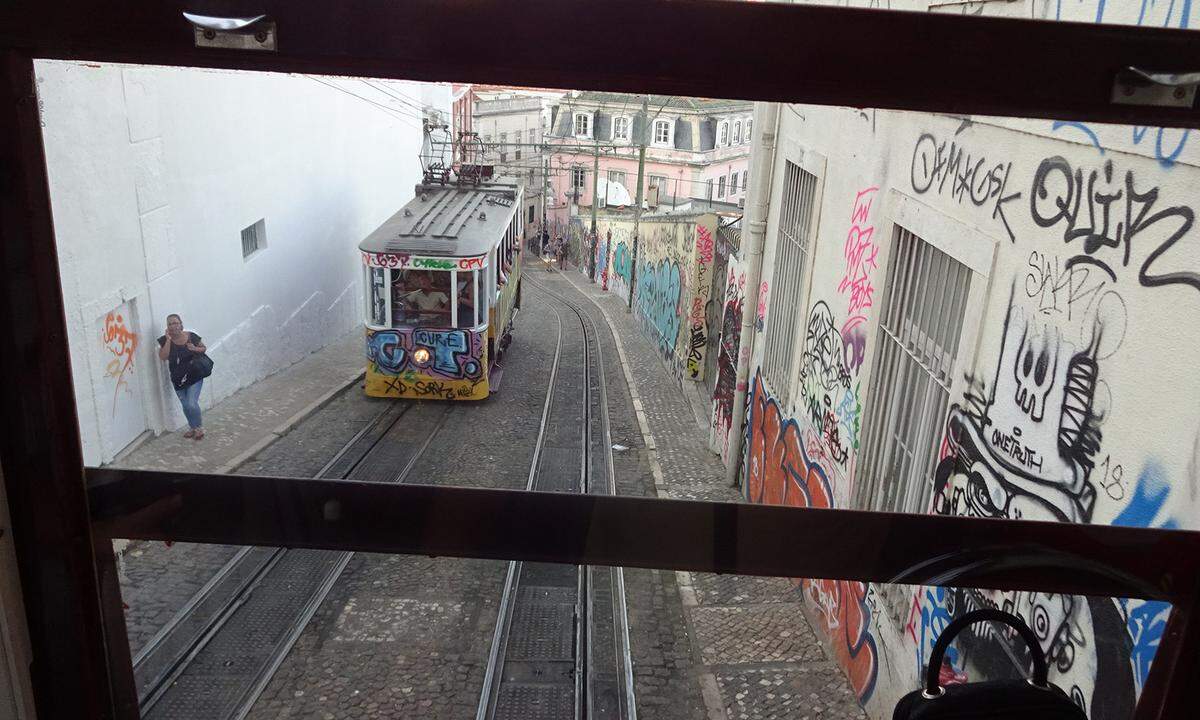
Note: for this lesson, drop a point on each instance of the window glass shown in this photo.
(420, 297)
(621, 128)
(662, 132)
(465, 286)
(377, 296)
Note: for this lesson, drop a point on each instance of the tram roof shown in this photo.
(448, 220)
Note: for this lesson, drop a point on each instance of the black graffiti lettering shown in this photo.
(1059, 287)
(1107, 216)
(953, 169)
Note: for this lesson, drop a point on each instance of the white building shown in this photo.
(988, 317)
(512, 124)
(234, 199)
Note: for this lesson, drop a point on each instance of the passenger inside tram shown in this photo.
(420, 298)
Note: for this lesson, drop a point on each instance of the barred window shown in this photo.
(919, 329)
(791, 269)
(254, 238)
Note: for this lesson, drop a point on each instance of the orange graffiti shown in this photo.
(121, 342)
(781, 473)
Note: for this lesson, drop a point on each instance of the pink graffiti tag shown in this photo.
(121, 342)
(762, 306)
(860, 251)
(704, 245)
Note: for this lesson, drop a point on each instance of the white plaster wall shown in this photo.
(1034, 286)
(1139, 333)
(154, 173)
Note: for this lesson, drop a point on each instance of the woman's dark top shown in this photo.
(180, 361)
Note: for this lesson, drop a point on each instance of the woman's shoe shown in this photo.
(199, 434)
(190, 433)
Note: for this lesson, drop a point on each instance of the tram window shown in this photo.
(377, 296)
(420, 297)
(465, 283)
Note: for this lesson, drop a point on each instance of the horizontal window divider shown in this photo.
(900, 60)
(700, 536)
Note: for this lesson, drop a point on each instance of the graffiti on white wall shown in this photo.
(121, 342)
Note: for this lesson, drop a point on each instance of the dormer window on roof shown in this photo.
(664, 134)
(621, 128)
(582, 126)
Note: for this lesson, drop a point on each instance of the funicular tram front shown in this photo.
(442, 279)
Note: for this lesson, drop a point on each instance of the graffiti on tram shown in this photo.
(427, 362)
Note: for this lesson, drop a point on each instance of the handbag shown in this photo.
(1032, 699)
(200, 368)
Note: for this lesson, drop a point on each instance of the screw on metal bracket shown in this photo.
(1135, 86)
(233, 33)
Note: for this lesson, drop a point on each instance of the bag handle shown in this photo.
(1040, 671)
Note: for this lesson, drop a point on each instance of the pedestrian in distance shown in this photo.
(560, 251)
(188, 365)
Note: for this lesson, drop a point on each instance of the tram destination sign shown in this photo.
(408, 261)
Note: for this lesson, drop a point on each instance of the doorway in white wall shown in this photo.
(117, 377)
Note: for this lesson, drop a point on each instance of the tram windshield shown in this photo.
(422, 298)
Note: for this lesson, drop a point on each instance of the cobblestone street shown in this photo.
(752, 652)
(402, 636)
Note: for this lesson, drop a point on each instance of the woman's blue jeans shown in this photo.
(189, 398)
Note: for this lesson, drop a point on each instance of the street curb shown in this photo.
(287, 425)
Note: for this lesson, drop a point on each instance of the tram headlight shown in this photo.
(421, 356)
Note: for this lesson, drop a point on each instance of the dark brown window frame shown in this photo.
(914, 61)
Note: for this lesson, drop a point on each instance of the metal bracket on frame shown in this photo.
(233, 33)
(1134, 86)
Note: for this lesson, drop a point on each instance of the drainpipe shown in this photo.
(766, 121)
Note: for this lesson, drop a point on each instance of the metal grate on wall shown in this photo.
(791, 263)
(916, 347)
(919, 328)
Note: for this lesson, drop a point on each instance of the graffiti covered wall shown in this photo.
(674, 284)
(728, 350)
(429, 363)
(1071, 400)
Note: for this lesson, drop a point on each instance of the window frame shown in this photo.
(737, 132)
(258, 230)
(723, 133)
(49, 516)
(618, 121)
(588, 124)
(669, 140)
(813, 163)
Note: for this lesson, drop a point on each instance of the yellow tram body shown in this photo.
(442, 280)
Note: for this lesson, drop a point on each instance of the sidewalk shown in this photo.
(156, 579)
(252, 418)
(759, 656)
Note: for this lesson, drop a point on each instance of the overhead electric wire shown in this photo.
(401, 116)
(396, 97)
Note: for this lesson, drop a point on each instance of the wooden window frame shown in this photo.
(64, 516)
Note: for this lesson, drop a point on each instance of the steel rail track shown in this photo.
(628, 709)
(234, 584)
(586, 696)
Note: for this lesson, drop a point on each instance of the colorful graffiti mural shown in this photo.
(779, 472)
(426, 362)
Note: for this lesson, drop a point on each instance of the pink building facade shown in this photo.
(697, 153)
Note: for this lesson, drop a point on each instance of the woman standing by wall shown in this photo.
(180, 349)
